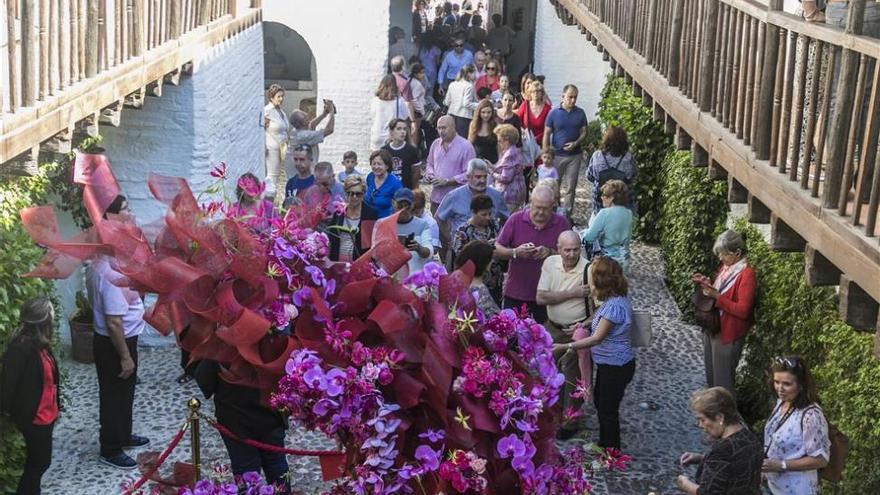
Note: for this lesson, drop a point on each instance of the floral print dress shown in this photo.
(804, 433)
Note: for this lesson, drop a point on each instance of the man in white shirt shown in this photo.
(412, 232)
(306, 132)
(118, 319)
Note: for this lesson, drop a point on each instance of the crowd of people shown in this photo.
(475, 171)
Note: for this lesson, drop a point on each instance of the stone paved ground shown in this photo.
(666, 373)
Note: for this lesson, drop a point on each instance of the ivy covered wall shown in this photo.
(685, 210)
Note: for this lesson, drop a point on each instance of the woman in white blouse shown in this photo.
(460, 99)
(796, 443)
(277, 134)
(386, 106)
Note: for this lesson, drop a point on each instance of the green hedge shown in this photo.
(794, 318)
(18, 254)
(649, 146)
(693, 214)
(790, 316)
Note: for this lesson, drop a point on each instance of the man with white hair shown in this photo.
(446, 164)
(528, 237)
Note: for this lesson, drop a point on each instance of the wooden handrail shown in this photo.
(62, 42)
(790, 108)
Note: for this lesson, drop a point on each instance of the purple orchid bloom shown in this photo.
(510, 446)
(433, 436)
(429, 458)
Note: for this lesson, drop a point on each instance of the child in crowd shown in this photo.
(546, 170)
(349, 161)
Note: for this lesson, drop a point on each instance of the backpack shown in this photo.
(612, 172)
(838, 451)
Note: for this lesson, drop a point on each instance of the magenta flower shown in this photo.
(510, 446)
(251, 187)
(219, 171)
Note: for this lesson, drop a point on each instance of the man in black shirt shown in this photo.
(406, 164)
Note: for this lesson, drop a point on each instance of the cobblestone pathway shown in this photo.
(656, 423)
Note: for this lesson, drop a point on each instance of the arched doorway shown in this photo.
(288, 61)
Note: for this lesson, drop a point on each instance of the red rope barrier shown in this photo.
(159, 461)
(269, 448)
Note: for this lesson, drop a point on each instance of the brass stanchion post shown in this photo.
(195, 446)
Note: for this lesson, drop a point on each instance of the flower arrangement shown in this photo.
(425, 393)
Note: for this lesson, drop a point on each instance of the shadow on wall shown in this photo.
(289, 61)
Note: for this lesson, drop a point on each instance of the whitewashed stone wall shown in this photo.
(349, 39)
(565, 56)
(213, 116)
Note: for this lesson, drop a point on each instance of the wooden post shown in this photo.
(682, 139)
(44, 49)
(783, 238)
(851, 142)
(707, 56)
(204, 12)
(758, 212)
(29, 53)
(675, 42)
(92, 38)
(818, 270)
(843, 108)
(649, 41)
(764, 120)
(736, 192)
(716, 171)
(176, 15)
(857, 308)
(64, 57)
(872, 135)
(138, 36)
(12, 50)
(699, 156)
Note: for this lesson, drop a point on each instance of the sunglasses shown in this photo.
(458, 46)
(302, 147)
(491, 68)
(789, 363)
(355, 194)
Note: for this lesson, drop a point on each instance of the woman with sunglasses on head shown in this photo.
(346, 227)
(29, 388)
(796, 443)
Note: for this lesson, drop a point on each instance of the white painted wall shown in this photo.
(565, 56)
(349, 40)
(213, 116)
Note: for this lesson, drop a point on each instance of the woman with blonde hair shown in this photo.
(481, 132)
(508, 171)
(277, 130)
(385, 106)
(29, 388)
(610, 232)
(351, 226)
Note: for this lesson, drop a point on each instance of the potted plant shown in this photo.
(82, 330)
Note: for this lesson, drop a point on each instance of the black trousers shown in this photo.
(38, 446)
(243, 458)
(538, 312)
(116, 394)
(611, 382)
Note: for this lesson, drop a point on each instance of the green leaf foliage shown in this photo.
(793, 318)
(685, 210)
(649, 146)
(18, 255)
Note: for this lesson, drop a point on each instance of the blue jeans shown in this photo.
(245, 458)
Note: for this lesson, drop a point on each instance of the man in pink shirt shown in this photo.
(528, 237)
(446, 165)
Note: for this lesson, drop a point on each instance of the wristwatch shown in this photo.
(569, 347)
(514, 253)
(784, 465)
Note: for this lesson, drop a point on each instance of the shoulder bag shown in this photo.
(837, 452)
(530, 148)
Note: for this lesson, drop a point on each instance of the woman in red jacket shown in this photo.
(734, 292)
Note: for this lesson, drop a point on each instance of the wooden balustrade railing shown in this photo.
(802, 96)
(49, 45)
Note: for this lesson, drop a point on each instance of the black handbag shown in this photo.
(705, 313)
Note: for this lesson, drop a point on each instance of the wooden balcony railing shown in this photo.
(66, 61)
(790, 110)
